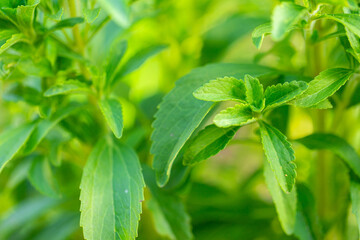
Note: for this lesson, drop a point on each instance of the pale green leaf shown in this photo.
(180, 113)
(42, 178)
(335, 144)
(325, 104)
(170, 218)
(285, 203)
(254, 93)
(222, 89)
(350, 21)
(118, 10)
(91, 14)
(355, 200)
(25, 15)
(323, 86)
(238, 115)
(57, 16)
(15, 38)
(280, 155)
(285, 16)
(112, 111)
(280, 94)
(11, 141)
(69, 86)
(259, 33)
(207, 143)
(111, 193)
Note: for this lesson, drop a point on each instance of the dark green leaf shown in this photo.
(112, 111)
(67, 23)
(207, 143)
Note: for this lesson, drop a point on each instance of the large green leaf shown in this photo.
(112, 111)
(323, 86)
(254, 93)
(280, 155)
(350, 21)
(111, 192)
(118, 10)
(285, 16)
(285, 203)
(279, 94)
(180, 113)
(168, 211)
(222, 89)
(259, 33)
(207, 143)
(238, 115)
(335, 144)
(11, 141)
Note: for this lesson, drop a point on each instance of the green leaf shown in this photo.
(112, 111)
(350, 21)
(285, 203)
(222, 89)
(335, 144)
(45, 125)
(111, 193)
(18, 37)
(280, 155)
(259, 33)
(254, 93)
(41, 177)
(67, 23)
(285, 16)
(25, 15)
(280, 94)
(118, 10)
(180, 113)
(238, 115)
(170, 218)
(137, 60)
(207, 143)
(91, 14)
(325, 104)
(11, 141)
(115, 55)
(69, 86)
(355, 200)
(57, 16)
(323, 86)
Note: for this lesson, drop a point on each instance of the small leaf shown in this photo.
(254, 93)
(350, 21)
(112, 111)
(222, 89)
(238, 115)
(18, 37)
(66, 87)
(112, 188)
(41, 177)
(323, 86)
(259, 33)
(285, 203)
(335, 144)
(280, 94)
(11, 141)
(67, 23)
(168, 211)
(207, 143)
(91, 14)
(280, 155)
(285, 16)
(118, 10)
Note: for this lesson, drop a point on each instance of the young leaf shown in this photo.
(41, 177)
(280, 155)
(280, 94)
(207, 143)
(335, 144)
(323, 86)
(112, 111)
(238, 115)
(111, 193)
(350, 21)
(67, 23)
(67, 87)
(259, 33)
(222, 89)
(285, 203)
(170, 218)
(25, 15)
(180, 113)
(118, 10)
(11, 141)
(254, 93)
(285, 15)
